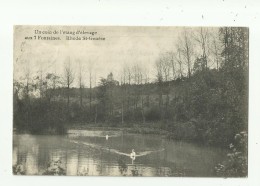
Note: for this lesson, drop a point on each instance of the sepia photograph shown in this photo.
(149, 101)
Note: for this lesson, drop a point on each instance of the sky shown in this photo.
(123, 46)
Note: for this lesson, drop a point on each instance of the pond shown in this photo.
(108, 153)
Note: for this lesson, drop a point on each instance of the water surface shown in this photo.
(101, 153)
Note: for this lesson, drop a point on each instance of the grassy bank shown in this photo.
(151, 128)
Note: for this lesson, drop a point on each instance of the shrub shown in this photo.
(236, 165)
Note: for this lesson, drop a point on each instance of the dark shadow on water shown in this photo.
(122, 166)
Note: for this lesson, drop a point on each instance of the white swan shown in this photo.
(132, 154)
(107, 136)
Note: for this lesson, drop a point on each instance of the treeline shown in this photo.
(200, 92)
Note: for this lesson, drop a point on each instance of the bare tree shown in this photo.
(123, 90)
(179, 60)
(187, 50)
(143, 89)
(69, 78)
(96, 105)
(202, 37)
(146, 82)
(40, 83)
(216, 51)
(159, 71)
(166, 66)
(172, 64)
(80, 81)
(128, 72)
(166, 62)
(137, 80)
(27, 88)
(27, 82)
(90, 70)
(90, 91)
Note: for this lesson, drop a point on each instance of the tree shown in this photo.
(172, 57)
(235, 75)
(80, 82)
(129, 78)
(105, 95)
(90, 70)
(199, 64)
(40, 84)
(216, 50)
(146, 82)
(187, 50)
(202, 38)
(179, 60)
(52, 83)
(235, 47)
(123, 90)
(69, 79)
(159, 72)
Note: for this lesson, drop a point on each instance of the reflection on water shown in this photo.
(103, 153)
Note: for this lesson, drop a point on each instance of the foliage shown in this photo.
(55, 168)
(18, 169)
(39, 116)
(237, 164)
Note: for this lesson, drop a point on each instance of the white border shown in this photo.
(100, 12)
